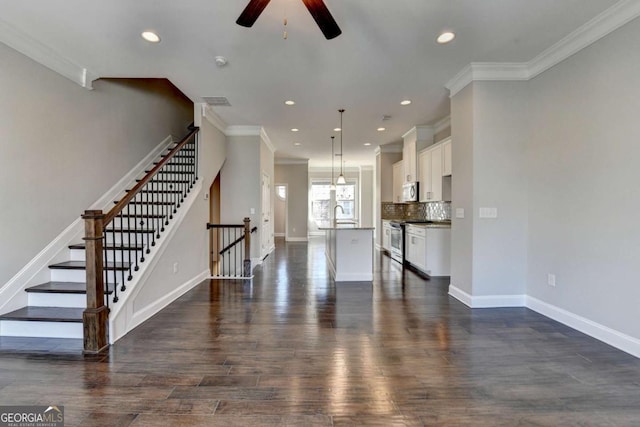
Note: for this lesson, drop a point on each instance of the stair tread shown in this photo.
(60, 288)
(117, 246)
(45, 314)
(82, 265)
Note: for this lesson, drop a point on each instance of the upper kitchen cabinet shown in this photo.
(430, 162)
(398, 173)
(413, 141)
(446, 157)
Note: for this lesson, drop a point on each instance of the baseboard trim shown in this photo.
(297, 239)
(145, 313)
(600, 332)
(278, 234)
(487, 301)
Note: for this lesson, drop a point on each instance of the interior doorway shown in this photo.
(214, 218)
(280, 211)
(267, 224)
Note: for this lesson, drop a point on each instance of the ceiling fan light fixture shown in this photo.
(445, 37)
(150, 36)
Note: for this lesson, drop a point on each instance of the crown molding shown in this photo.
(243, 130)
(389, 148)
(605, 23)
(265, 138)
(422, 133)
(600, 26)
(284, 161)
(213, 118)
(441, 125)
(46, 56)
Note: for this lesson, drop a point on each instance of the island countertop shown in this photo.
(346, 225)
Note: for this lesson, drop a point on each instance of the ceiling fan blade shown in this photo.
(251, 13)
(323, 18)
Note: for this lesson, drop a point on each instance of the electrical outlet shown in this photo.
(175, 268)
(551, 279)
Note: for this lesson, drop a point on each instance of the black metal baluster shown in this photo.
(152, 205)
(195, 158)
(135, 231)
(165, 189)
(235, 253)
(113, 262)
(139, 221)
(121, 250)
(146, 204)
(128, 214)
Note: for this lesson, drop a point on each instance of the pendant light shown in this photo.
(332, 187)
(341, 179)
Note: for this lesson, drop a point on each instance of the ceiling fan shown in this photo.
(317, 8)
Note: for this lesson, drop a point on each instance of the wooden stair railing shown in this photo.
(123, 235)
(223, 238)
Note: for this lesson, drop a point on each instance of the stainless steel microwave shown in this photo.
(410, 192)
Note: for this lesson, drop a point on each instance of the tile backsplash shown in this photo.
(431, 211)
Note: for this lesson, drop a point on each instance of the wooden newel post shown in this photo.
(96, 316)
(246, 271)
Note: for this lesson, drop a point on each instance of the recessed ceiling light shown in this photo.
(150, 36)
(445, 37)
(297, 144)
(337, 130)
(381, 129)
(290, 102)
(406, 102)
(295, 130)
(367, 144)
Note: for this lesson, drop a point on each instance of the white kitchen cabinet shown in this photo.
(430, 169)
(429, 249)
(398, 181)
(415, 246)
(386, 235)
(409, 160)
(446, 157)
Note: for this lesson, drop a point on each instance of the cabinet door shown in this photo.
(386, 236)
(446, 158)
(416, 251)
(398, 180)
(409, 161)
(436, 174)
(424, 169)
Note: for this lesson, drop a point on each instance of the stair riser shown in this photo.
(37, 299)
(80, 255)
(80, 276)
(14, 328)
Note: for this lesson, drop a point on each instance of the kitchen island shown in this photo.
(349, 250)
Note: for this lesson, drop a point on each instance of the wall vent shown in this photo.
(217, 101)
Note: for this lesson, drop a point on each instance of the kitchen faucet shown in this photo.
(335, 212)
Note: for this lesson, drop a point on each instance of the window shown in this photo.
(345, 197)
(321, 201)
(281, 192)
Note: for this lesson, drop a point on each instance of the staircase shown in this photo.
(131, 230)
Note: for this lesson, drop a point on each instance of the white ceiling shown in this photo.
(386, 53)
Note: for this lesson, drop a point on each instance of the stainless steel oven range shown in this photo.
(397, 241)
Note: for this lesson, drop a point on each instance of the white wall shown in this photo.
(583, 182)
(367, 196)
(62, 147)
(500, 138)
(462, 121)
(240, 190)
(296, 176)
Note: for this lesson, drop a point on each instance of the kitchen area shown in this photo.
(414, 186)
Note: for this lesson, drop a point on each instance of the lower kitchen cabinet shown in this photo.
(429, 249)
(386, 235)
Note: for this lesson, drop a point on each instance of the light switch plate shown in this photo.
(488, 213)
(459, 212)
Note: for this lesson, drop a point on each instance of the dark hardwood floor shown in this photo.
(292, 348)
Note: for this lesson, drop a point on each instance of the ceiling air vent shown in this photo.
(216, 101)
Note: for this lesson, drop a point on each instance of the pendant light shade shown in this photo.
(341, 179)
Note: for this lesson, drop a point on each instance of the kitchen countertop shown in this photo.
(431, 224)
(329, 225)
